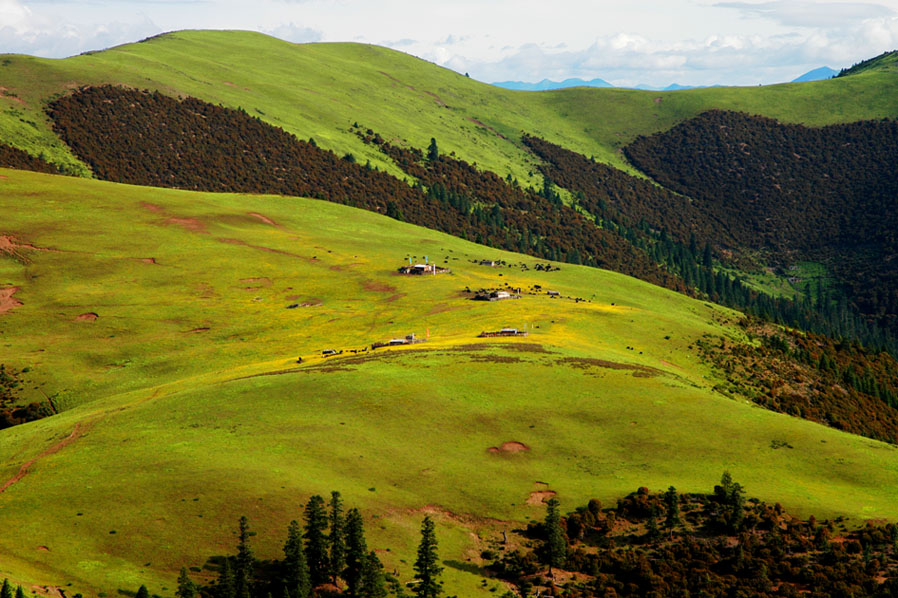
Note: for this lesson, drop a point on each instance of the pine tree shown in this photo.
(297, 569)
(142, 592)
(6, 589)
(556, 544)
(672, 501)
(186, 587)
(225, 587)
(316, 541)
(356, 553)
(244, 569)
(427, 568)
(652, 525)
(373, 580)
(20, 593)
(336, 537)
(433, 152)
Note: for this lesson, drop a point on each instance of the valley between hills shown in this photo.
(195, 262)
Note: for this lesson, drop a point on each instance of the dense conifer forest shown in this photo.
(793, 193)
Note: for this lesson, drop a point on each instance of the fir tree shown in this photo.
(142, 592)
(427, 568)
(295, 565)
(6, 589)
(373, 580)
(356, 553)
(433, 152)
(186, 587)
(244, 569)
(20, 593)
(225, 587)
(316, 541)
(556, 545)
(336, 537)
(672, 501)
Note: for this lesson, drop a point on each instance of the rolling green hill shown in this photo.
(175, 348)
(319, 90)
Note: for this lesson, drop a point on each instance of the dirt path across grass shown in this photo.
(7, 301)
(76, 433)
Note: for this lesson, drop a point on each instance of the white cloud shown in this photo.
(294, 33)
(798, 13)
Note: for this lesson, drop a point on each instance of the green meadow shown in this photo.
(320, 90)
(169, 325)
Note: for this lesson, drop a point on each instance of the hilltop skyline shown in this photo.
(651, 42)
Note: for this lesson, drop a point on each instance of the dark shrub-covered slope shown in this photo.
(143, 138)
(825, 194)
(11, 157)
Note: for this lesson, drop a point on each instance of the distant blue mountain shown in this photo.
(546, 84)
(824, 72)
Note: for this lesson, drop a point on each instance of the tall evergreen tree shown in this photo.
(225, 587)
(6, 589)
(316, 541)
(142, 592)
(672, 502)
(427, 568)
(336, 537)
(295, 565)
(356, 553)
(20, 593)
(556, 544)
(186, 587)
(244, 562)
(373, 580)
(433, 152)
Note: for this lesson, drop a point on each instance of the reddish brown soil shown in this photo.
(262, 281)
(12, 247)
(76, 433)
(88, 317)
(151, 207)
(7, 301)
(378, 287)
(436, 98)
(540, 497)
(487, 127)
(191, 224)
(43, 549)
(200, 329)
(264, 219)
(148, 260)
(511, 446)
(393, 298)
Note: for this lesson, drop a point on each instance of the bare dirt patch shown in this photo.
(436, 99)
(87, 317)
(378, 287)
(487, 127)
(264, 219)
(148, 260)
(509, 447)
(151, 207)
(7, 301)
(12, 247)
(268, 249)
(261, 281)
(200, 329)
(43, 549)
(393, 298)
(585, 363)
(191, 224)
(540, 497)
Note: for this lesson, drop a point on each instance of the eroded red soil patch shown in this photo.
(511, 446)
(151, 207)
(87, 317)
(261, 281)
(191, 224)
(378, 287)
(7, 301)
(264, 219)
(540, 497)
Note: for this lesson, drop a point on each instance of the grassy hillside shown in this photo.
(319, 90)
(175, 348)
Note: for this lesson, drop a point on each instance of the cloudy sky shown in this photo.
(655, 42)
